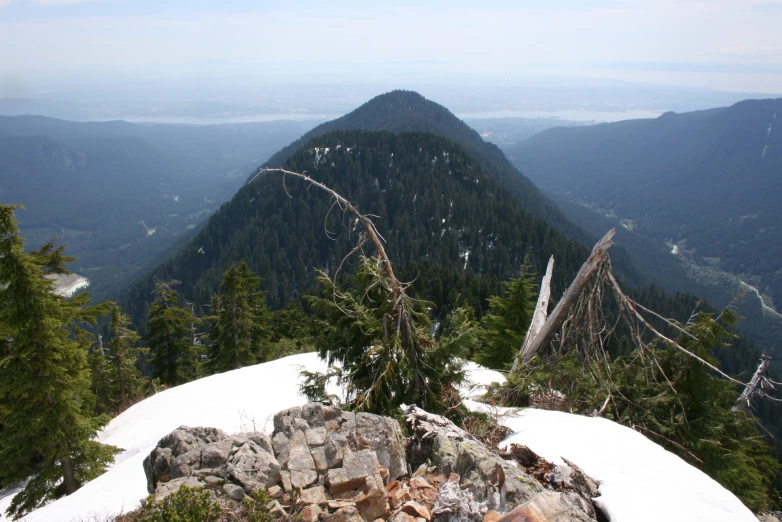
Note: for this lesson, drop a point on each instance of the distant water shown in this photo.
(570, 114)
(219, 120)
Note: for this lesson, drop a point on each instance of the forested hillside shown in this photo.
(448, 223)
(705, 182)
(119, 194)
(407, 111)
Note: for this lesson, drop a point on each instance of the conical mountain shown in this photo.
(408, 111)
(447, 221)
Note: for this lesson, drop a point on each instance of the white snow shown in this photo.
(763, 154)
(66, 285)
(765, 307)
(675, 250)
(640, 480)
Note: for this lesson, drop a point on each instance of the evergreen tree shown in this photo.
(101, 378)
(171, 338)
(384, 365)
(123, 354)
(240, 321)
(508, 320)
(45, 396)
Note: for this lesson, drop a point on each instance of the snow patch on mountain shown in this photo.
(640, 480)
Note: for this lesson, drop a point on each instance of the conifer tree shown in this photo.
(171, 337)
(101, 378)
(123, 355)
(45, 396)
(508, 320)
(383, 366)
(240, 321)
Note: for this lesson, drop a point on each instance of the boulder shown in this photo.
(252, 467)
(549, 506)
(488, 476)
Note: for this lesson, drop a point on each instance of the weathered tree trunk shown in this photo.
(69, 482)
(755, 386)
(598, 256)
(540, 315)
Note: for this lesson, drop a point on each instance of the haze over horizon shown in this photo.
(120, 55)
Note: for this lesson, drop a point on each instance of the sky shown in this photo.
(722, 44)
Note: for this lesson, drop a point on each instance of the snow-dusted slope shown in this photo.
(641, 481)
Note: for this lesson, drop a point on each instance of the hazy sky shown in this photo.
(724, 44)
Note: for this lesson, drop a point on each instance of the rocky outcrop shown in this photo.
(325, 464)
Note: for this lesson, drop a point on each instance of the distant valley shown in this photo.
(121, 194)
(696, 194)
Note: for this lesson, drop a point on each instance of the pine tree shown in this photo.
(382, 365)
(101, 378)
(123, 354)
(45, 396)
(240, 322)
(508, 320)
(171, 338)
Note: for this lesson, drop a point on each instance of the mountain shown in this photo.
(120, 194)
(447, 222)
(697, 192)
(407, 111)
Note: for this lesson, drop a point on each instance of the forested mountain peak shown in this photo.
(446, 221)
(408, 111)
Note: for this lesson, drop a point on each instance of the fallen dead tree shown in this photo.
(578, 323)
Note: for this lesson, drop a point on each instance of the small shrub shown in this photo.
(185, 505)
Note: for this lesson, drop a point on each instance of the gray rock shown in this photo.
(288, 421)
(253, 468)
(316, 436)
(213, 482)
(335, 449)
(281, 450)
(184, 439)
(303, 478)
(345, 514)
(184, 464)
(261, 439)
(381, 434)
(165, 489)
(314, 495)
(234, 491)
(285, 480)
(157, 467)
(454, 504)
(312, 412)
(549, 506)
(319, 457)
(216, 454)
(299, 457)
(354, 471)
(491, 479)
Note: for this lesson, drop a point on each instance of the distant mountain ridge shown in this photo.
(119, 194)
(703, 187)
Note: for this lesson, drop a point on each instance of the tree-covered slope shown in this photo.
(708, 182)
(408, 111)
(446, 220)
(120, 194)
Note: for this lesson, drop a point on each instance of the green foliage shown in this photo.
(412, 181)
(240, 321)
(675, 400)
(46, 413)
(199, 505)
(170, 337)
(185, 505)
(386, 359)
(123, 355)
(508, 320)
